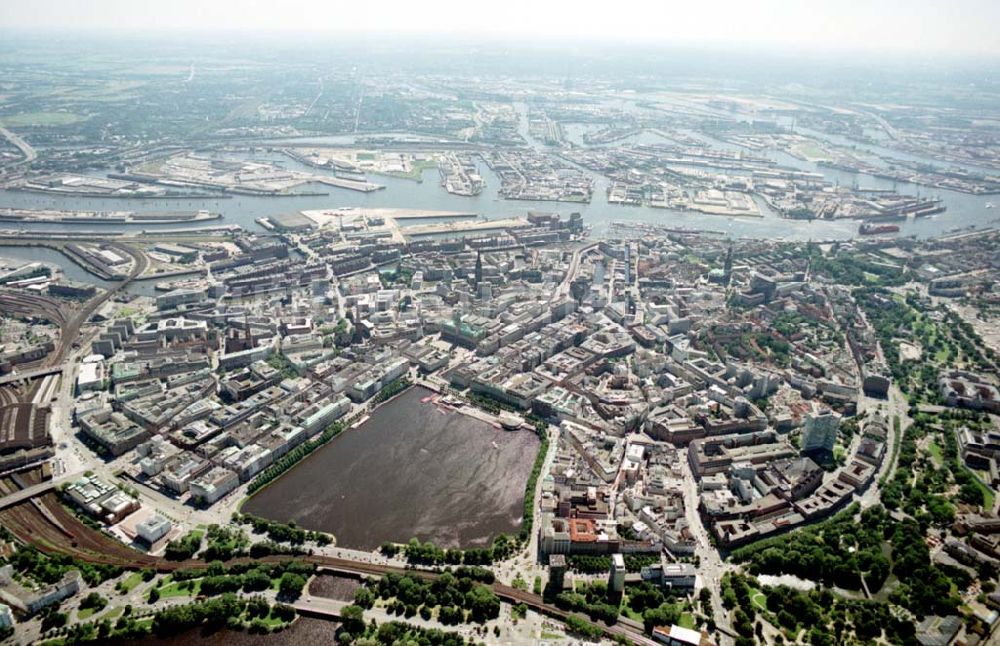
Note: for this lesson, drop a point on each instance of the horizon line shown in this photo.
(522, 40)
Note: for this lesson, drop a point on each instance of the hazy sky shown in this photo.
(933, 27)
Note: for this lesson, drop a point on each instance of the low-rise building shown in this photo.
(673, 576)
(213, 485)
(31, 601)
(154, 528)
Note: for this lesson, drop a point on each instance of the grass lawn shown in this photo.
(40, 119)
(686, 620)
(105, 93)
(811, 150)
(416, 173)
(631, 614)
(935, 451)
(758, 599)
(84, 613)
(272, 621)
(145, 621)
(114, 613)
(987, 494)
(174, 589)
(133, 580)
(87, 613)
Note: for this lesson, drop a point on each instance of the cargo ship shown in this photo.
(869, 229)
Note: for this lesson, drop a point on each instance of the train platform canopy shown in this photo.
(23, 426)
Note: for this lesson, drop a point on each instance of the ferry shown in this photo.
(451, 401)
(868, 229)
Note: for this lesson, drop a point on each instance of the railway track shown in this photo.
(68, 317)
(52, 529)
(59, 531)
(71, 329)
(43, 522)
(8, 395)
(33, 305)
(46, 524)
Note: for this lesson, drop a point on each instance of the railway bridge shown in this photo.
(31, 373)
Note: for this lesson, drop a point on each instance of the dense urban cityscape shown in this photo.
(366, 344)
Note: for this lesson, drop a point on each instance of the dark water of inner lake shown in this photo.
(413, 469)
(303, 631)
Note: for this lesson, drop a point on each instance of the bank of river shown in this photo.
(72, 270)
(963, 210)
(413, 469)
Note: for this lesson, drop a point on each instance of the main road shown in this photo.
(29, 153)
(896, 407)
(574, 266)
(711, 568)
(36, 490)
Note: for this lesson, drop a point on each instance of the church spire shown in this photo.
(479, 268)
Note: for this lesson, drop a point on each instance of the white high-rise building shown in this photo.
(616, 579)
(6, 616)
(820, 431)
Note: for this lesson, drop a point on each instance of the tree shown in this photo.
(645, 596)
(664, 615)
(53, 620)
(450, 615)
(352, 620)
(258, 607)
(578, 626)
(93, 600)
(364, 598)
(183, 548)
(482, 603)
(256, 581)
(291, 585)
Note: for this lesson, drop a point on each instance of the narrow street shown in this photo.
(711, 568)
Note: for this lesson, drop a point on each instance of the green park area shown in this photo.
(23, 119)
